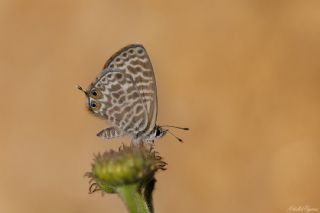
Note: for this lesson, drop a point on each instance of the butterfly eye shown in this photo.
(94, 105)
(158, 132)
(95, 93)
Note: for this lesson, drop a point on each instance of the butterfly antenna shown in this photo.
(80, 88)
(177, 127)
(179, 139)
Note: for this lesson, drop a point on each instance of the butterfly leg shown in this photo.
(109, 133)
(137, 141)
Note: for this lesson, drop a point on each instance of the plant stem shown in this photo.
(148, 189)
(132, 199)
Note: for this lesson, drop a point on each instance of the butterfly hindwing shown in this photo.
(119, 101)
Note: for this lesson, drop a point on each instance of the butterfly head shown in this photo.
(156, 133)
(162, 131)
(159, 132)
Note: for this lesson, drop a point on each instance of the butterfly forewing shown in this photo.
(134, 61)
(125, 94)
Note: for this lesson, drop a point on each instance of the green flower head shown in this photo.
(130, 165)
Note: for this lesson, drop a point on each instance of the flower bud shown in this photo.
(130, 165)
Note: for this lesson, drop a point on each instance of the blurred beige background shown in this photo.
(243, 75)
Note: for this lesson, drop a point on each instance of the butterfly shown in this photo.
(125, 94)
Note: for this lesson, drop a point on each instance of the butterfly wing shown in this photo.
(135, 62)
(114, 96)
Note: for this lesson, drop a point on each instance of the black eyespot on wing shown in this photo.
(93, 104)
(95, 93)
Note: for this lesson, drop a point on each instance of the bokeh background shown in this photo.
(243, 75)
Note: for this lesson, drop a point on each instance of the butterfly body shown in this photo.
(125, 94)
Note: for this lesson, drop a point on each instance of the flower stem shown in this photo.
(132, 199)
(148, 189)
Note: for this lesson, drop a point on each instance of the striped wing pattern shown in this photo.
(128, 88)
(134, 61)
(121, 103)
